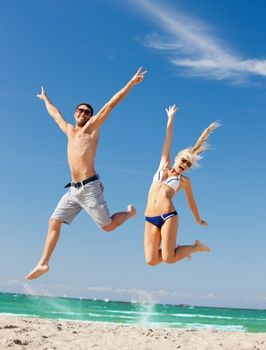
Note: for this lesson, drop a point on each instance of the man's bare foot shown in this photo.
(200, 247)
(131, 210)
(37, 272)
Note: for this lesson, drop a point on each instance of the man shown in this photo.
(85, 190)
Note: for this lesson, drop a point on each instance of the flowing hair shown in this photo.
(194, 154)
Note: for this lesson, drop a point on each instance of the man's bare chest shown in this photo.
(79, 141)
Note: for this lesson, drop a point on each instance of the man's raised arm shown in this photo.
(53, 111)
(102, 115)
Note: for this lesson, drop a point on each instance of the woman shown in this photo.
(161, 223)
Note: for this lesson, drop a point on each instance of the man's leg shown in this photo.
(119, 218)
(92, 200)
(50, 243)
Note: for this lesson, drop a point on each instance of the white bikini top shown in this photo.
(172, 181)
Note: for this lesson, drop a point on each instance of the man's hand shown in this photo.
(42, 95)
(98, 120)
(171, 111)
(202, 222)
(53, 111)
(138, 77)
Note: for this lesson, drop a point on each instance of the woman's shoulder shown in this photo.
(165, 168)
(184, 179)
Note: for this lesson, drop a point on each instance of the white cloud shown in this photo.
(208, 296)
(12, 283)
(193, 48)
(100, 289)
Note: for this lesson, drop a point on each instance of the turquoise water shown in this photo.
(134, 314)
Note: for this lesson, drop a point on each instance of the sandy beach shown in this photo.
(42, 334)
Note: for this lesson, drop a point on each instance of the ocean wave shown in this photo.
(110, 316)
(219, 317)
(18, 315)
(62, 313)
(135, 312)
(204, 316)
(228, 328)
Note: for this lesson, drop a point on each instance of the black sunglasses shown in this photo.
(87, 112)
(185, 161)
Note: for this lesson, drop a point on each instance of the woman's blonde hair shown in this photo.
(194, 154)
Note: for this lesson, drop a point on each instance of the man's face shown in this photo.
(82, 115)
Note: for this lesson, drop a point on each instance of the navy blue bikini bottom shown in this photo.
(160, 219)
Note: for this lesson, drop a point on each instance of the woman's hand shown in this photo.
(42, 95)
(202, 222)
(171, 111)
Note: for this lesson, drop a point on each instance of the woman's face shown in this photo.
(182, 164)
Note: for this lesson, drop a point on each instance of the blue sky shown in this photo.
(207, 57)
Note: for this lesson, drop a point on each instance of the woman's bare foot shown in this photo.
(131, 210)
(200, 247)
(37, 272)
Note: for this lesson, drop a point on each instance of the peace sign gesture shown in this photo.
(42, 95)
(138, 77)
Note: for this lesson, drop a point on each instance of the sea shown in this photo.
(132, 313)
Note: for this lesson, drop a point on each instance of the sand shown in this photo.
(42, 334)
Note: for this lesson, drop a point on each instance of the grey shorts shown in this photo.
(88, 197)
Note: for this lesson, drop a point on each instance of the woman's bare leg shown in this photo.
(152, 242)
(50, 243)
(185, 251)
(171, 253)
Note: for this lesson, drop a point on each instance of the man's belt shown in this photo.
(82, 183)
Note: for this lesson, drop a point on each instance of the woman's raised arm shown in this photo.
(165, 157)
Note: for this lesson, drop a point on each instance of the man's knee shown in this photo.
(108, 228)
(55, 224)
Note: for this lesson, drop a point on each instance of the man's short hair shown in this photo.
(86, 104)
